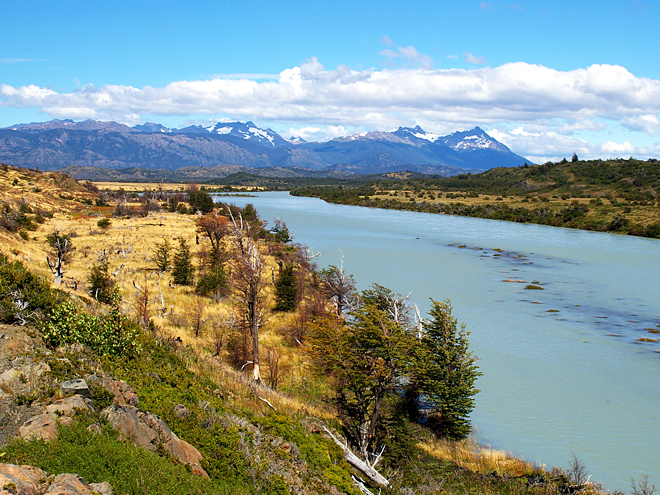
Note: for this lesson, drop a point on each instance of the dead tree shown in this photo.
(249, 281)
(339, 286)
(61, 251)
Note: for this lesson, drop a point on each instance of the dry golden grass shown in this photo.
(141, 186)
(477, 458)
(49, 191)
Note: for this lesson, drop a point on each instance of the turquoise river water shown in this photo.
(563, 370)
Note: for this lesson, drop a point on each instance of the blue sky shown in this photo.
(546, 78)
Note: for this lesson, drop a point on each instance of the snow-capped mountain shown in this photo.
(151, 127)
(474, 139)
(60, 143)
(250, 132)
(247, 131)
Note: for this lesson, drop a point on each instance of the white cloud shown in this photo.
(408, 53)
(386, 40)
(486, 6)
(549, 107)
(471, 59)
(540, 143)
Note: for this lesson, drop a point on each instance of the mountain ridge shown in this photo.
(61, 143)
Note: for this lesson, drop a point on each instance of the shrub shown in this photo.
(104, 223)
(112, 334)
(24, 297)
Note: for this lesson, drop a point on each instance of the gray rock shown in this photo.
(78, 386)
(103, 488)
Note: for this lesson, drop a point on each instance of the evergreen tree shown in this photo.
(286, 289)
(201, 201)
(446, 372)
(101, 284)
(163, 255)
(184, 270)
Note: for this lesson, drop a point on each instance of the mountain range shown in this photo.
(64, 143)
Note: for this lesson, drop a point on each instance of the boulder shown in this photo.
(124, 393)
(78, 386)
(149, 431)
(26, 480)
(125, 420)
(68, 406)
(21, 479)
(68, 484)
(43, 426)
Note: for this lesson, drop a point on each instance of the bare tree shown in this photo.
(196, 316)
(339, 286)
(61, 250)
(249, 282)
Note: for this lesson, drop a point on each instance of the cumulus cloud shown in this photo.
(549, 107)
(471, 59)
(486, 6)
(386, 40)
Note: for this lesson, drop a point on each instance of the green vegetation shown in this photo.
(183, 269)
(611, 196)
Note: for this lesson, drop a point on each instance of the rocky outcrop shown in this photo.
(27, 480)
(147, 430)
(44, 426)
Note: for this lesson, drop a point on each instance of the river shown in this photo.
(563, 370)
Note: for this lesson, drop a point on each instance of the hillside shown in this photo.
(614, 195)
(171, 348)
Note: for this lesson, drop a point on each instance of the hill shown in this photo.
(613, 195)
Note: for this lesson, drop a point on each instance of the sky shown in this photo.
(546, 78)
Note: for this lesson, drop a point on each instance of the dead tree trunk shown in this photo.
(249, 283)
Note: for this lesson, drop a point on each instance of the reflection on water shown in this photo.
(564, 370)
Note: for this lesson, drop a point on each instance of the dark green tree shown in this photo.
(201, 201)
(183, 269)
(446, 372)
(101, 283)
(286, 289)
(163, 255)
(281, 232)
(365, 357)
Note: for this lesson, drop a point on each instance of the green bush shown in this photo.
(24, 297)
(112, 334)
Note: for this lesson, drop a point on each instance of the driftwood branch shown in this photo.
(358, 463)
(267, 402)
